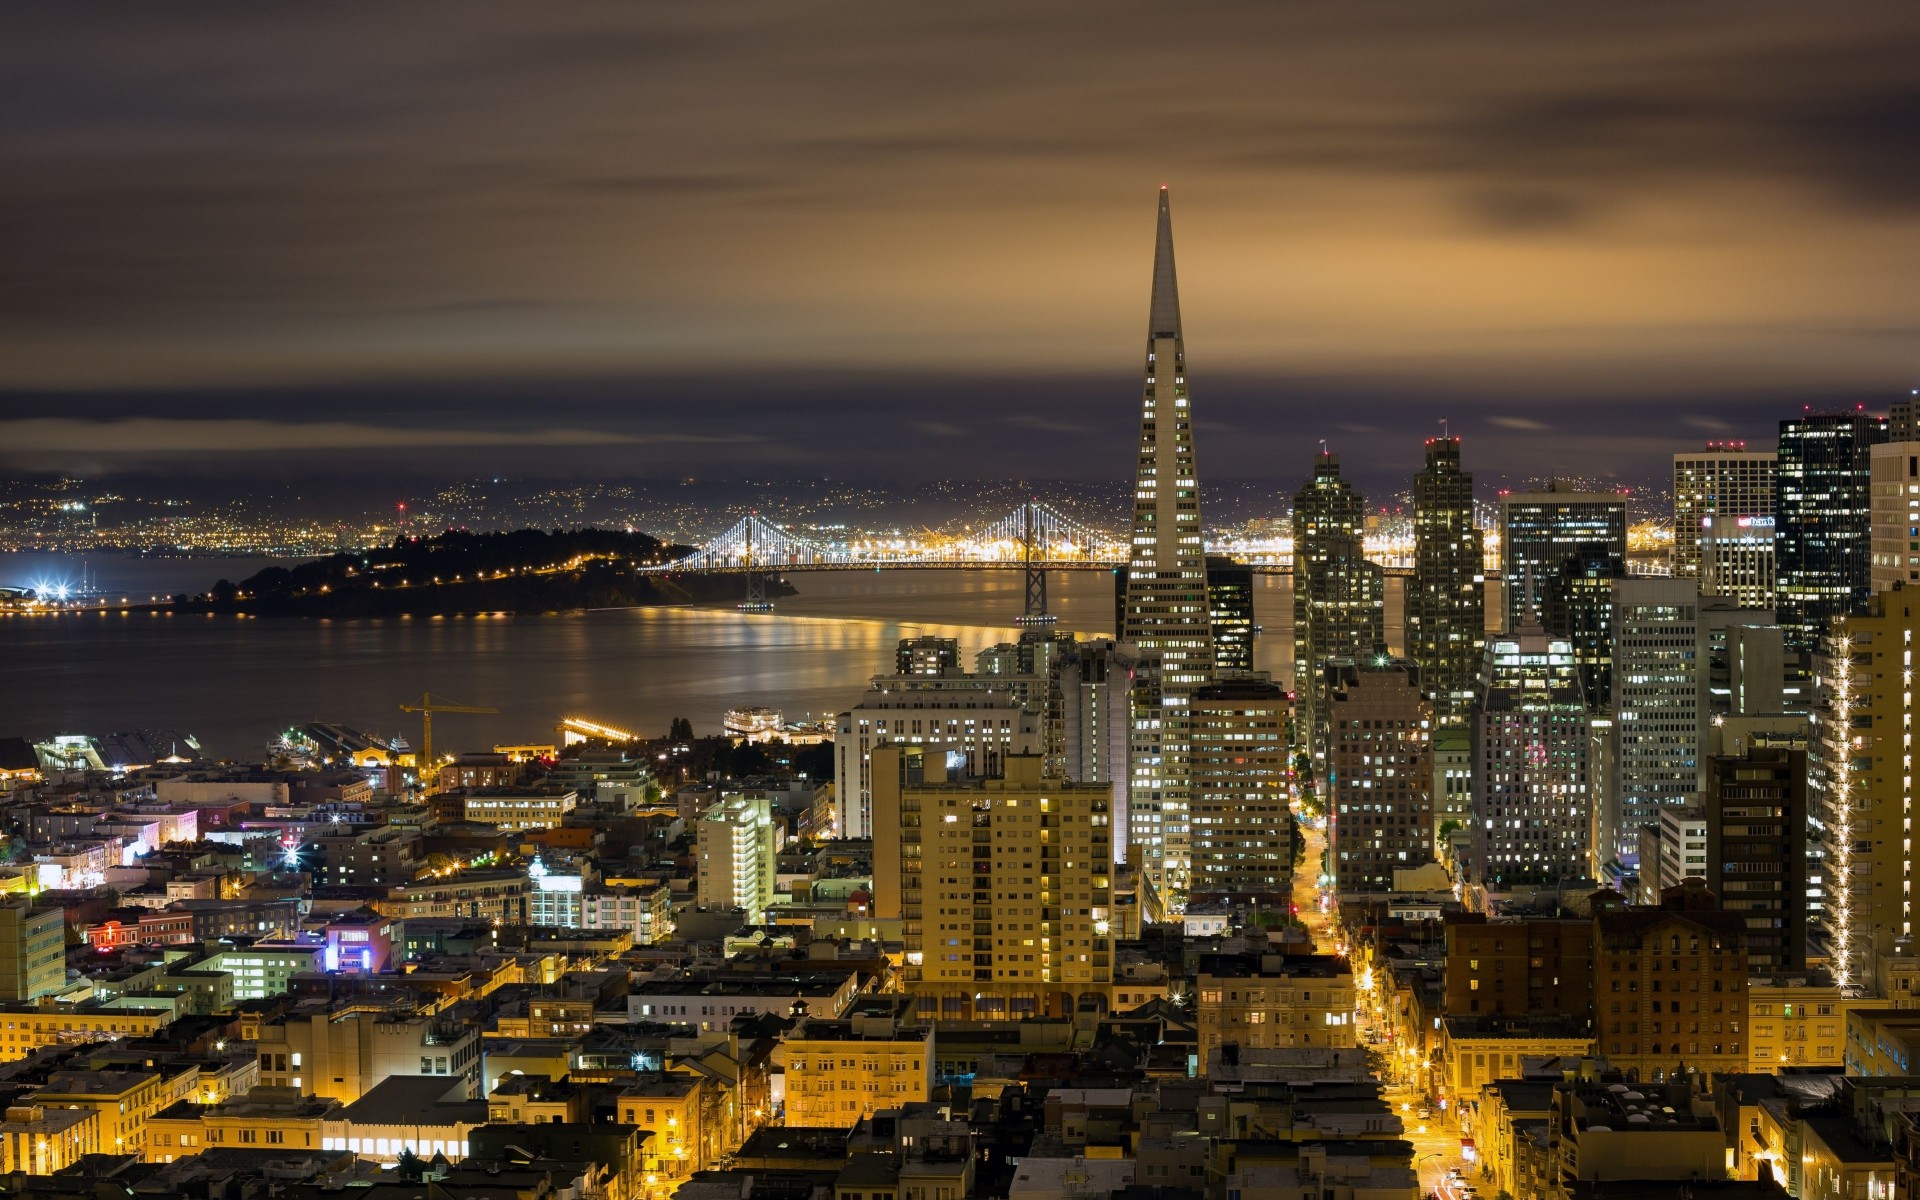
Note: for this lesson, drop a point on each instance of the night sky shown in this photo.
(894, 239)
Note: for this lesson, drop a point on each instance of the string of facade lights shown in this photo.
(1842, 890)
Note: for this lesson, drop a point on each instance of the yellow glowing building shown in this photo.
(25, 1028)
(125, 1100)
(1860, 783)
(840, 1071)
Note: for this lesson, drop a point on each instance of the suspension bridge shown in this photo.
(1035, 537)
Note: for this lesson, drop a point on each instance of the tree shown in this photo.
(680, 730)
(409, 1167)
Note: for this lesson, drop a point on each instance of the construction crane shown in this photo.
(429, 776)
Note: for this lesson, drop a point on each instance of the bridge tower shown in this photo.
(1033, 559)
(756, 600)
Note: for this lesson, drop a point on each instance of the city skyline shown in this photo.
(781, 245)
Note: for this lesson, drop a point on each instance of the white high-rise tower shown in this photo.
(1166, 598)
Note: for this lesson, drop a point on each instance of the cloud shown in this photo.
(147, 437)
(1709, 424)
(1524, 424)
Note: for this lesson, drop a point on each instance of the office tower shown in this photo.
(1724, 480)
(1095, 684)
(1860, 783)
(927, 655)
(1230, 611)
(1003, 885)
(1737, 560)
(978, 720)
(1657, 705)
(1242, 829)
(1894, 516)
(1821, 528)
(1166, 609)
(1756, 815)
(1380, 773)
(1539, 531)
(1903, 420)
(1339, 598)
(33, 950)
(1744, 657)
(738, 845)
(1446, 599)
(1577, 604)
(1532, 763)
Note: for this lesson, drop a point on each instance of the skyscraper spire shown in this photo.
(1164, 320)
(1165, 611)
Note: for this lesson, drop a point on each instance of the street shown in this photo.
(1435, 1138)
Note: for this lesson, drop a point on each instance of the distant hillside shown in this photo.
(527, 570)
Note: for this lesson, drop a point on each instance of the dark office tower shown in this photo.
(1230, 607)
(1166, 609)
(1822, 530)
(1339, 599)
(1242, 829)
(1539, 531)
(1576, 603)
(1446, 599)
(1756, 810)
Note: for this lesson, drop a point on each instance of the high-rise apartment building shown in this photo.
(738, 848)
(1658, 705)
(1821, 530)
(1540, 531)
(1095, 683)
(1242, 828)
(1379, 773)
(1339, 598)
(927, 655)
(1894, 516)
(1738, 562)
(1230, 610)
(1756, 815)
(979, 719)
(1166, 608)
(1446, 599)
(1532, 763)
(1860, 783)
(1724, 480)
(33, 950)
(1003, 886)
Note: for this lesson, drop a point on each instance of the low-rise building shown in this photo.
(839, 1071)
(1643, 1131)
(1264, 1001)
(26, 1028)
(1476, 1051)
(38, 1140)
(520, 808)
(1798, 1021)
(427, 1114)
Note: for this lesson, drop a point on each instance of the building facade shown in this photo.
(1532, 764)
(1004, 886)
(1167, 610)
(1822, 528)
(1723, 481)
(738, 847)
(1338, 596)
(1446, 599)
(1242, 827)
(1894, 516)
(1756, 823)
(1658, 704)
(1379, 773)
(1540, 531)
